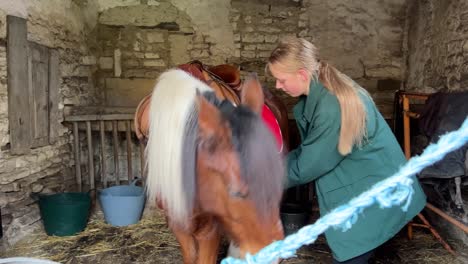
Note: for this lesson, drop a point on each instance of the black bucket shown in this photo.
(293, 216)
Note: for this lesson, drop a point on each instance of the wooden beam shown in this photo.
(116, 152)
(107, 117)
(103, 154)
(76, 139)
(90, 155)
(129, 151)
(54, 87)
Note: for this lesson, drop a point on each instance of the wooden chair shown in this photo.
(404, 98)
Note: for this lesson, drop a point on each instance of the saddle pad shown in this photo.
(271, 122)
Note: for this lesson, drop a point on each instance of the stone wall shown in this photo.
(436, 51)
(437, 45)
(111, 51)
(60, 25)
(362, 40)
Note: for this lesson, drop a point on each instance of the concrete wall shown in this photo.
(60, 25)
(437, 45)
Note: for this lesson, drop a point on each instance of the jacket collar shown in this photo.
(307, 105)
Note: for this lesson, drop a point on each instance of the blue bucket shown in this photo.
(122, 205)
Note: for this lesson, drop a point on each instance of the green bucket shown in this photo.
(64, 214)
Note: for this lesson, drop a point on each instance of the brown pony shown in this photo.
(213, 168)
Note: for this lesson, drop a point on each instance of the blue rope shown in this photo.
(394, 190)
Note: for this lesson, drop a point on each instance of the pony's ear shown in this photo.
(215, 147)
(252, 93)
(209, 117)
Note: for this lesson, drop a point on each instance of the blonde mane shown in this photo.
(172, 113)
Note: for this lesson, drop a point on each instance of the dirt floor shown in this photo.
(150, 241)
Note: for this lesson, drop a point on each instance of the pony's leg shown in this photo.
(187, 245)
(208, 238)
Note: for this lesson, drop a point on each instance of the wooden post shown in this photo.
(129, 151)
(90, 155)
(77, 156)
(406, 127)
(142, 159)
(116, 152)
(103, 154)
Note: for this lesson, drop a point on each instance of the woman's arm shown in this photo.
(318, 153)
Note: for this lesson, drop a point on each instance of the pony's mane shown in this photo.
(261, 164)
(172, 134)
(171, 147)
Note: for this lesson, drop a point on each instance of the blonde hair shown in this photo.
(294, 53)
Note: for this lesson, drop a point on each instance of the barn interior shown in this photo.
(72, 73)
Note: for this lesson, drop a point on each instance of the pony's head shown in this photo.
(215, 158)
(240, 172)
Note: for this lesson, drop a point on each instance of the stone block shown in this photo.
(198, 38)
(250, 47)
(248, 54)
(88, 60)
(263, 54)
(304, 16)
(154, 3)
(155, 37)
(383, 71)
(139, 55)
(269, 29)
(106, 63)
(200, 46)
(154, 63)
(150, 55)
(199, 54)
(179, 48)
(248, 29)
(303, 33)
(465, 47)
(117, 63)
(267, 47)
(271, 38)
(137, 46)
(235, 17)
(253, 38)
(36, 187)
(126, 92)
(131, 63)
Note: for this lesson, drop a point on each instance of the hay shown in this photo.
(150, 241)
(145, 242)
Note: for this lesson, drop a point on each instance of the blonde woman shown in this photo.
(346, 147)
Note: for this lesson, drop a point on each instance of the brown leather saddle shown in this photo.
(224, 79)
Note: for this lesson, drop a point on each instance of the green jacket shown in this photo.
(339, 178)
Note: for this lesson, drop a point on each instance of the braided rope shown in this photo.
(395, 190)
